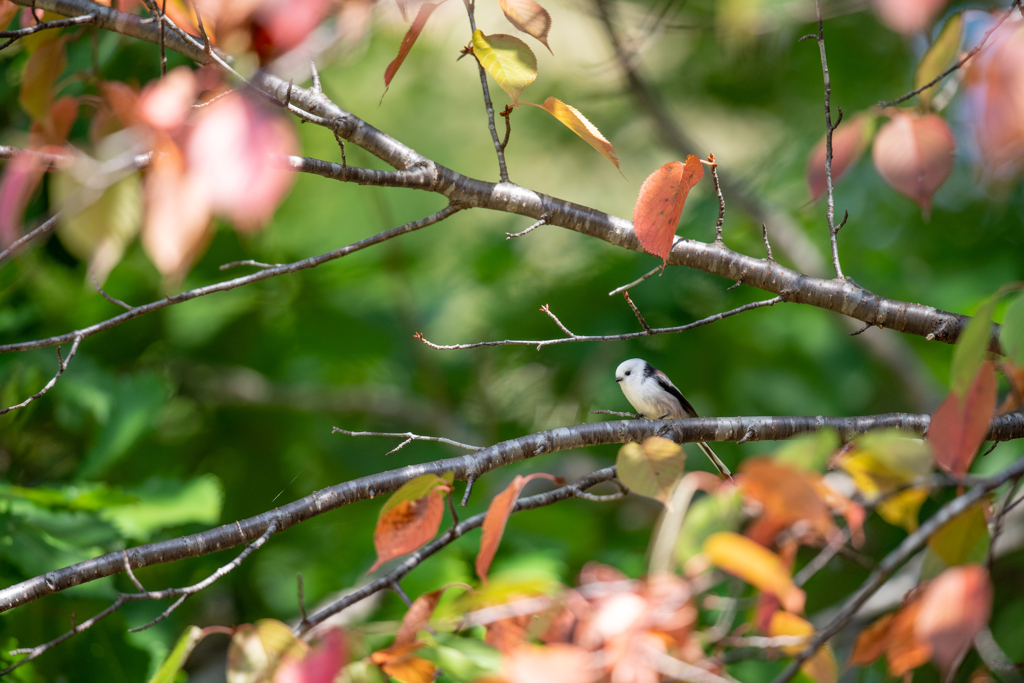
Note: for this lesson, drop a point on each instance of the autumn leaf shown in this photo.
(906, 651)
(872, 641)
(509, 61)
(972, 347)
(165, 104)
(652, 468)
(660, 204)
(403, 665)
(497, 516)
(257, 649)
(43, 68)
(908, 16)
(788, 495)
(962, 540)
(572, 119)
(954, 608)
(7, 12)
(938, 58)
(994, 106)
(755, 564)
(426, 9)
(320, 665)
(914, 154)
(528, 17)
(410, 517)
(555, 663)
(903, 509)
(848, 142)
(21, 176)
(959, 426)
(822, 666)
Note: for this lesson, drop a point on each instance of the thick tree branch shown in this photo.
(472, 466)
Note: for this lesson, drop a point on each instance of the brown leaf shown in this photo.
(660, 204)
(528, 17)
(787, 494)
(955, 607)
(426, 9)
(410, 517)
(914, 154)
(848, 142)
(572, 119)
(872, 641)
(958, 427)
(7, 11)
(403, 665)
(416, 618)
(906, 651)
(55, 126)
(497, 516)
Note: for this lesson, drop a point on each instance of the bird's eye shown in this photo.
(627, 372)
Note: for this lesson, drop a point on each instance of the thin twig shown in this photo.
(617, 413)
(546, 309)
(249, 262)
(341, 144)
(46, 228)
(116, 302)
(317, 87)
(506, 114)
(767, 245)
(302, 600)
(636, 311)
(409, 437)
(163, 49)
(498, 147)
(721, 201)
(634, 283)
(62, 365)
(207, 46)
(834, 546)
(41, 26)
(542, 221)
(960, 63)
(861, 330)
(829, 128)
(609, 337)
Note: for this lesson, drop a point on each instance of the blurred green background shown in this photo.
(222, 407)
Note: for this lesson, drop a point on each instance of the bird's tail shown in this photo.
(715, 460)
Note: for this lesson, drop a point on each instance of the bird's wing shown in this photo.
(665, 383)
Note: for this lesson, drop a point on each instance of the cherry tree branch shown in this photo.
(43, 25)
(472, 466)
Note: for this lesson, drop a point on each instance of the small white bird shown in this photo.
(653, 396)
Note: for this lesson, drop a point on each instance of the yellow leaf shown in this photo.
(938, 58)
(528, 17)
(509, 60)
(572, 119)
(902, 508)
(884, 461)
(821, 667)
(652, 468)
(756, 565)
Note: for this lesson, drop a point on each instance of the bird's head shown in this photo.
(631, 372)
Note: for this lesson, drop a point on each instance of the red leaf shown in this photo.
(660, 204)
(320, 665)
(20, 178)
(416, 618)
(958, 427)
(955, 607)
(848, 142)
(410, 517)
(409, 40)
(497, 516)
(7, 11)
(915, 155)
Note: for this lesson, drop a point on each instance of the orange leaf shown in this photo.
(572, 119)
(915, 155)
(821, 667)
(660, 204)
(403, 665)
(848, 142)
(497, 516)
(528, 17)
(409, 40)
(410, 517)
(906, 651)
(756, 565)
(955, 607)
(416, 618)
(788, 496)
(871, 642)
(958, 427)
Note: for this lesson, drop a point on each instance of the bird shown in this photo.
(653, 396)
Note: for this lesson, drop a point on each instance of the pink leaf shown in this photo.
(908, 16)
(20, 178)
(320, 665)
(286, 23)
(230, 154)
(954, 608)
(409, 40)
(848, 142)
(915, 155)
(165, 104)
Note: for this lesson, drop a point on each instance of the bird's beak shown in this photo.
(618, 379)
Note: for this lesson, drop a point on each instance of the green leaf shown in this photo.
(708, 515)
(1011, 336)
(809, 452)
(509, 60)
(163, 503)
(938, 58)
(972, 347)
(464, 659)
(176, 659)
(962, 540)
(652, 468)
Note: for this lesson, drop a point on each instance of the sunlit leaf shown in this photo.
(572, 119)
(849, 141)
(787, 495)
(555, 663)
(1011, 334)
(410, 517)
(872, 641)
(955, 607)
(528, 17)
(756, 565)
(497, 516)
(883, 461)
(426, 9)
(652, 468)
(914, 154)
(509, 60)
(257, 649)
(906, 651)
(319, 665)
(938, 58)
(962, 540)
(166, 103)
(43, 68)
(660, 204)
(821, 667)
(903, 508)
(402, 664)
(959, 426)
(168, 671)
(809, 452)
(165, 503)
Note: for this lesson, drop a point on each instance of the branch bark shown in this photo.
(468, 467)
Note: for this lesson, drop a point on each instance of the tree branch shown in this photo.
(472, 466)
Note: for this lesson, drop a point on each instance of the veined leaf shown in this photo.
(409, 40)
(652, 468)
(572, 119)
(410, 517)
(528, 17)
(938, 58)
(509, 60)
(660, 203)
